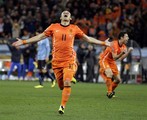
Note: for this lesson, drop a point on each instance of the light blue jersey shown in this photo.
(43, 49)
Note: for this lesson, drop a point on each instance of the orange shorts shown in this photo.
(65, 73)
(104, 64)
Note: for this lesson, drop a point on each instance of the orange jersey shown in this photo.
(63, 41)
(115, 48)
(106, 59)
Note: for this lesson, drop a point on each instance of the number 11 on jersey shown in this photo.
(63, 37)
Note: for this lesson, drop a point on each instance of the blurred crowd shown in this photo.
(104, 18)
(98, 18)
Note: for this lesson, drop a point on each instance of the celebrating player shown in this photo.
(64, 56)
(108, 67)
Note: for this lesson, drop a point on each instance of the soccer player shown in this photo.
(43, 51)
(108, 67)
(63, 54)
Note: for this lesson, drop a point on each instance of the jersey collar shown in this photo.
(64, 25)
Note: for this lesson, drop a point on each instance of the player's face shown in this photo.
(65, 16)
(126, 38)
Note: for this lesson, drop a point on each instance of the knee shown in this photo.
(67, 83)
(118, 80)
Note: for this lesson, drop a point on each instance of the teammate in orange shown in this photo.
(108, 67)
(63, 54)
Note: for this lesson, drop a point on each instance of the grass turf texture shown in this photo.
(19, 100)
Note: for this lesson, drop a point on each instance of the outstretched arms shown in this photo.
(30, 40)
(96, 41)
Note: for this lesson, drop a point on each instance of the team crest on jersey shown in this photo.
(70, 31)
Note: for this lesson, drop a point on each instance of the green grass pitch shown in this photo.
(19, 100)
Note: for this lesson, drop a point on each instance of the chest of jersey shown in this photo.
(63, 34)
(117, 49)
(120, 49)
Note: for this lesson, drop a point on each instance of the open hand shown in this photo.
(107, 42)
(130, 49)
(17, 43)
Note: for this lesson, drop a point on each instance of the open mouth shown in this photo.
(65, 20)
(65, 16)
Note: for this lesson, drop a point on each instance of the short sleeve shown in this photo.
(114, 47)
(49, 30)
(79, 32)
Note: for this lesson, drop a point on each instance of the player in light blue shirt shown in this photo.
(42, 57)
(43, 49)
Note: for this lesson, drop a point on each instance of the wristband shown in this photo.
(24, 41)
(103, 43)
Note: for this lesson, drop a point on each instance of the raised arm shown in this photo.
(126, 54)
(96, 41)
(36, 38)
(117, 56)
(122, 55)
